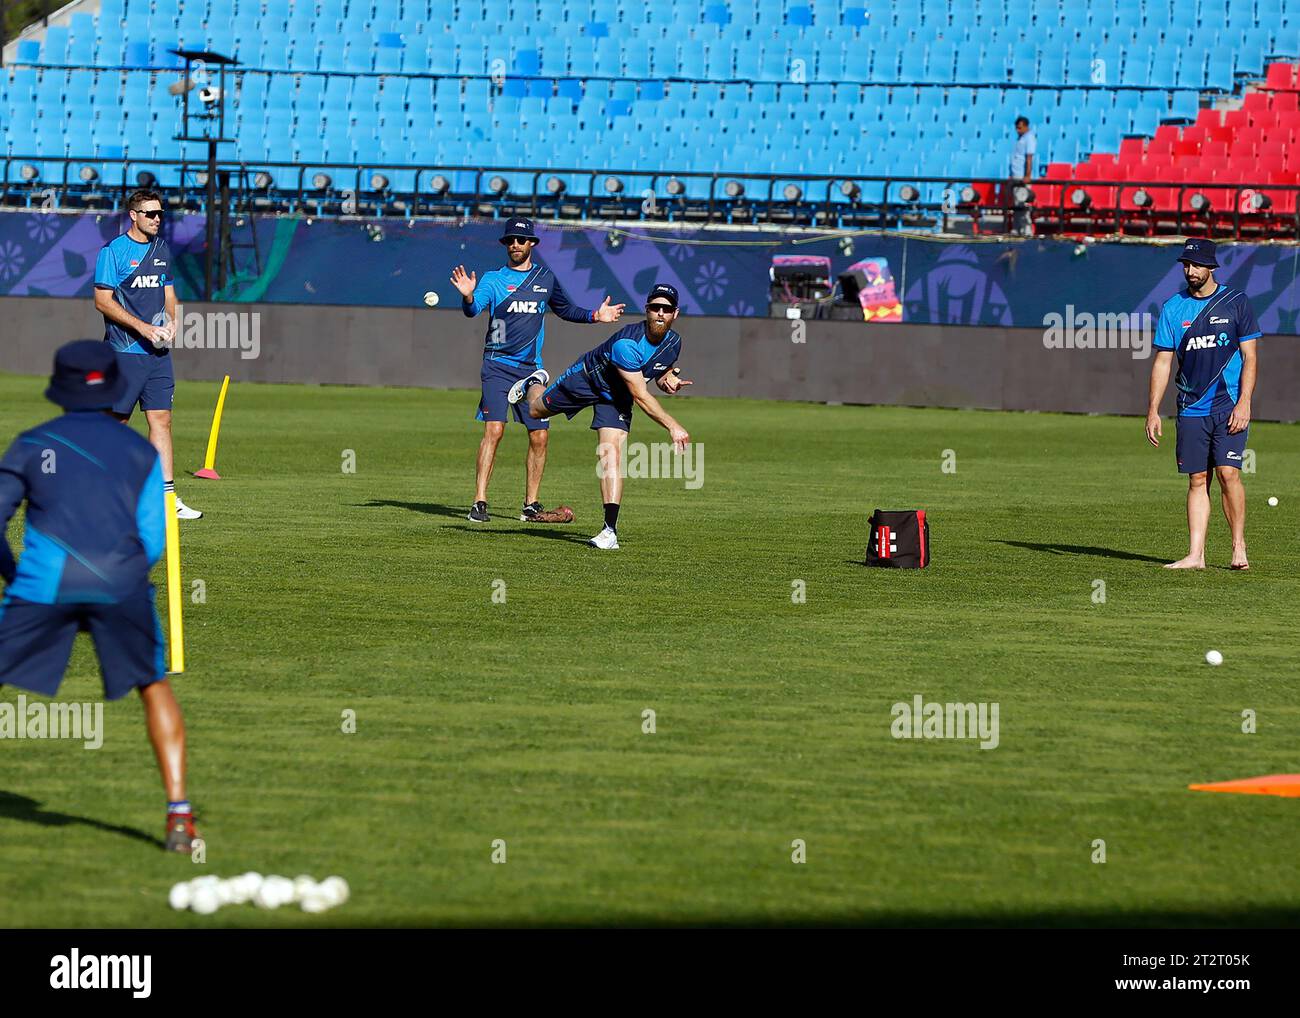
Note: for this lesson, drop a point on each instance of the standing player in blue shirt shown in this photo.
(1213, 330)
(611, 378)
(134, 293)
(94, 528)
(517, 298)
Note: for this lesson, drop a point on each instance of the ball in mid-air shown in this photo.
(1272, 500)
(430, 298)
(1213, 657)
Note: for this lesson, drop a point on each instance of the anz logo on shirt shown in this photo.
(1207, 342)
(525, 307)
(145, 281)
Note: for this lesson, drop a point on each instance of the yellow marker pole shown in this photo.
(177, 643)
(210, 460)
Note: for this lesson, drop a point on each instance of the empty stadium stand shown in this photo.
(768, 93)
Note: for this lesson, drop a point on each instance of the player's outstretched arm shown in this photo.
(654, 409)
(465, 282)
(671, 381)
(1161, 367)
(560, 303)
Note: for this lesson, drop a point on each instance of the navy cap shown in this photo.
(518, 228)
(85, 376)
(1199, 251)
(665, 290)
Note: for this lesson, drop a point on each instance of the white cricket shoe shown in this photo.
(606, 540)
(516, 393)
(184, 512)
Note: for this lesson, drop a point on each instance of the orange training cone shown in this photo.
(1287, 785)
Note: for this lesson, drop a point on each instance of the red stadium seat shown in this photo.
(1209, 118)
(1286, 103)
(1280, 76)
(1131, 150)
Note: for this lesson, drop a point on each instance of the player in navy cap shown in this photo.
(94, 528)
(611, 379)
(517, 297)
(1213, 330)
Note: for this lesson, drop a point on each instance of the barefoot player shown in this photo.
(611, 378)
(94, 493)
(1213, 330)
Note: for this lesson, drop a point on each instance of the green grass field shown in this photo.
(328, 591)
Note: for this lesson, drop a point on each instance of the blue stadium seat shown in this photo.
(29, 51)
(388, 53)
(55, 49)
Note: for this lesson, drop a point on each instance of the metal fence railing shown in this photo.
(939, 204)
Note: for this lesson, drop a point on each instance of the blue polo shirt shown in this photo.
(138, 274)
(1207, 333)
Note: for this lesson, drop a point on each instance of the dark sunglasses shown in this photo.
(518, 240)
(149, 213)
(665, 308)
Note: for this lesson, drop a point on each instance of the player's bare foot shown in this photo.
(1239, 560)
(1187, 563)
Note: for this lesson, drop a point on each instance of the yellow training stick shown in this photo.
(177, 643)
(210, 460)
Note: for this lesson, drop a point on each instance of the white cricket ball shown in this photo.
(335, 889)
(226, 892)
(266, 898)
(430, 298)
(1213, 657)
(179, 896)
(237, 890)
(315, 903)
(303, 886)
(1272, 500)
(204, 900)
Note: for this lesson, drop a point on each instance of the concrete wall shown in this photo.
(918, 365)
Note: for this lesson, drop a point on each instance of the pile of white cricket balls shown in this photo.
(206, 894)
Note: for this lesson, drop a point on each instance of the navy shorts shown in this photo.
(1203, 443)
(497, 378)
(572, 392)
(149, 382)
(36, 642)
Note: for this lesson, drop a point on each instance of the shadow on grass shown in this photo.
(1082, 549)
(19, 807)
(535, 529)
(429, 508)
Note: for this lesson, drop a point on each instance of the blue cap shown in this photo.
(518, 227)
(1199, 251)
(665, 290)
(85, 376)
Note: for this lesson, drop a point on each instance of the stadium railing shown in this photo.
(1145, 207)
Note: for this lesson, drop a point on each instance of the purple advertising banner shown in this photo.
(718, 271)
